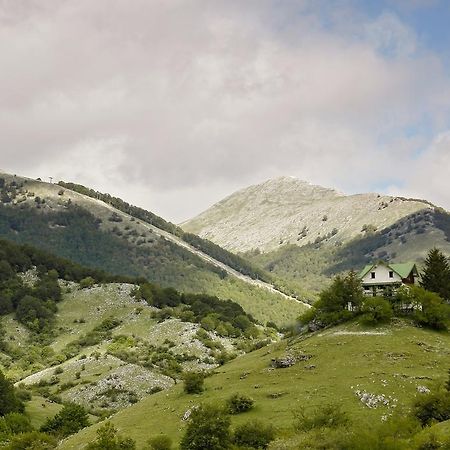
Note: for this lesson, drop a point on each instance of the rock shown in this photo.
(282, 363)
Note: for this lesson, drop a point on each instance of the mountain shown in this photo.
(306, 233)
(101, 231)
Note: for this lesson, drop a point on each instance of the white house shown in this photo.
(381, 277)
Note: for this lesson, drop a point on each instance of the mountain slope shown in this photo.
(287, 210)
(393, 361)
(96, 234)
(305, 234)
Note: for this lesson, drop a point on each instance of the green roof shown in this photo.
(402, 269)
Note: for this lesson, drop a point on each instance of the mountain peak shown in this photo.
(286, 210)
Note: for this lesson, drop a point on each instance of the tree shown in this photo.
(436, 274)
(208, 428)
(69, 420)
(108, 439)
(430, 309)
(8, 400)
(333, 301)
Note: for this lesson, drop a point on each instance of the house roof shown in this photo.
(402, 269)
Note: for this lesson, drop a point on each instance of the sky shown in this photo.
(174, 104)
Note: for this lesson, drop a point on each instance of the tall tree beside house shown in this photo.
(333, 303)
(436, 274)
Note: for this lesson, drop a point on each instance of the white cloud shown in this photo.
(173, 104)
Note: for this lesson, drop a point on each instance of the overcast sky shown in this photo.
(174, 104)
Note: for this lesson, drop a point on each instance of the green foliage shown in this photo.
(429, 309)
(239, 403)
(35, 314)
(160, 442)
(329, 416)
(108, 439)
(376, 310)
(225, 317)
(436, 274)
(393, 434)
(32, 441)
(100, 333)
(254, 434)
(15, 423)
(433, 407)
(69, 420)
(208, 428)
(194, 383)
(226, 257)
(332, 306)
(87, 282)
(9, 402)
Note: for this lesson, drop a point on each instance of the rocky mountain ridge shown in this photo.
(287, 210)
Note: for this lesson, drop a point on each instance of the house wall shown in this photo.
(381, 276)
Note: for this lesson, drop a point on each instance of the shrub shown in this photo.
(376, 310)
(239, 403)
(330, 416)
(108, 439)
(254, 434)
(161, 442)
(33, 441)
(434, 407)
(208, 428)
(87, 282)
(194, 383)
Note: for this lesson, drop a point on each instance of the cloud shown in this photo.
(429, 173)
(173, 104)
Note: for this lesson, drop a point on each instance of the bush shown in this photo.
(161, 442)
(330, 416)
(194, 383)
(87, 282)
(32, 441)
(433, 407)
(254, 434)
(208, 428)
(239, 403)
(376, 310)
(107, 439)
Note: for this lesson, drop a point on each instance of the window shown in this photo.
(372, 275)
(391, 274)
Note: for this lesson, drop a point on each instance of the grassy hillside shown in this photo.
(95, 234)
(70, 334)
(338, 365)
(312, 266)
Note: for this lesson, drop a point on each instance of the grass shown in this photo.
(39, 409)
(393, 362)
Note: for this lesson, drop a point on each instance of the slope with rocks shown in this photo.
(371, 372)
(95, 233)
(290, 211)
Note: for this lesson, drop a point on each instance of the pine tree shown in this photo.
(436, 274)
